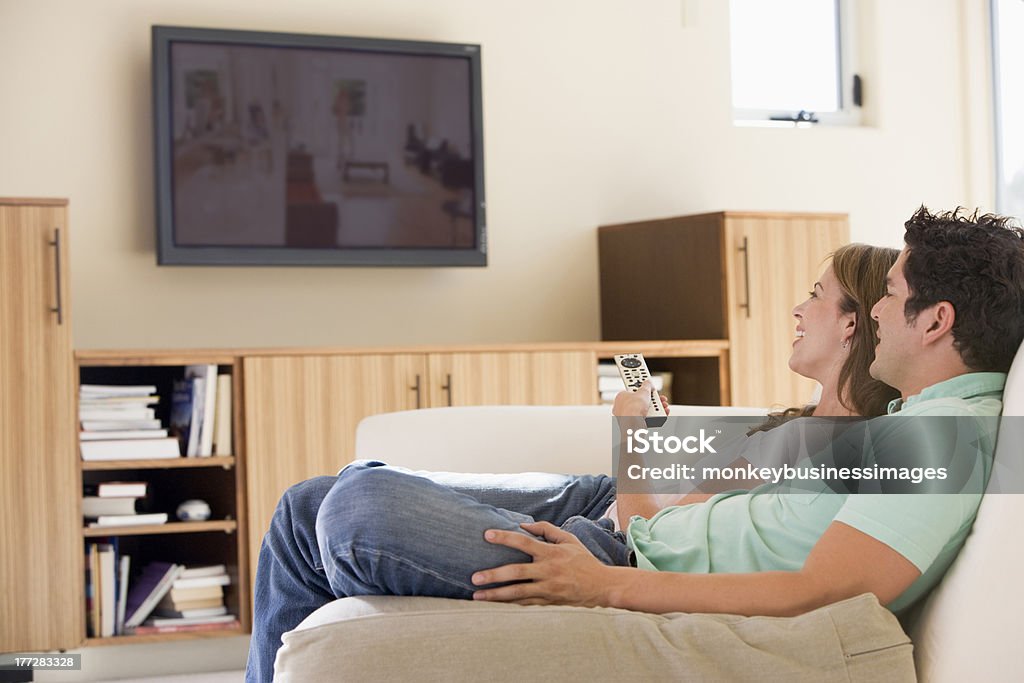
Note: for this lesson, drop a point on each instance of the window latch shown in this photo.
(802, 116)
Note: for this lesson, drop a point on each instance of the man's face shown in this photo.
(898, 340)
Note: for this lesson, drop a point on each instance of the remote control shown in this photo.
(633, 370)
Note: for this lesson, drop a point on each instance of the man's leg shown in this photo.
(290, 578)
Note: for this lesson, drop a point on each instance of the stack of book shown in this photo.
(609, 382)
(194, 602)
(118, 422)
(112, 503)
(201, 412)
(106, 589)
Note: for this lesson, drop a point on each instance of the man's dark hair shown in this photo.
(976, 263)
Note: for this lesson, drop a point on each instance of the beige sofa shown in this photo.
(966, 629)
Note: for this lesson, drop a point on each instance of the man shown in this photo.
(949, 325)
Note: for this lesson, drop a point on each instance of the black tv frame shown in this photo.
(168, 253)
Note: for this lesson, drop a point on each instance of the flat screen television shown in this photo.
(288, 149)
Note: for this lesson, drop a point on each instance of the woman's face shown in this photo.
(821, 330)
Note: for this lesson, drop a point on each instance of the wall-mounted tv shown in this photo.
(288, 149)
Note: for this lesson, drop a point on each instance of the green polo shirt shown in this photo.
(757, 531)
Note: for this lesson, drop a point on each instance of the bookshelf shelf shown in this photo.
(164, 637)
(225, 525)
(225, 461)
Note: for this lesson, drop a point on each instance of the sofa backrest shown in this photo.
(500, 439)
(968, 628)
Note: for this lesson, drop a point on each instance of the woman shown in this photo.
(382, 530)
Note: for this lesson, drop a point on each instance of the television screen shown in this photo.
(315, 150)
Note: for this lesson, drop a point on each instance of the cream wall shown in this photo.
(595, 111)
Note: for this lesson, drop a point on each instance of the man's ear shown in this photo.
(938, 321)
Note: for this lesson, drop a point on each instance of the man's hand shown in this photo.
(563, 571)
(636, 403)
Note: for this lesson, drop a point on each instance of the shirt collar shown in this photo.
(962, 386)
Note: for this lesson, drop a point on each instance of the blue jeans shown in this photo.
(378, 530)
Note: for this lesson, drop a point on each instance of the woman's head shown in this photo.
(835, 333)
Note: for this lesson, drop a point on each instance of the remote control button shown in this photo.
(630, 363)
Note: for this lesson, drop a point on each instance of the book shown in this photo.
(607, 369)
(118, 401)
(188, 621)
(130, 520)
(130, 449)
(108, 589)
(202, 582)
(116, 489)
(206, 570)
(111, 413)
(95, 506)
(222, 444)
(118, 434)
(186, 413)
(122, 594)
(147, 590)
(116, 390)
(166, 604)
(91, 604)
(179, 628)
(190, 613)
(181, 595)
(119, 425)
(208, 374)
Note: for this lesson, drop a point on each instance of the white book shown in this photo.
(182, 621)
(202, 581)
(209, 570)
(130, 449)
(198, 612)
(117, 434)
(116, 401)
(122, 594)
(119, 425)
(95, 506)
(121, 489)
(130, 413)
(117, 389)
(204, 426)
(607, 370)
(130, 520)
(222, 444)
(108, 594)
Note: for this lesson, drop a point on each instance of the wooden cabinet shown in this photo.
(511, 378)
(40, 569)
(732, 276)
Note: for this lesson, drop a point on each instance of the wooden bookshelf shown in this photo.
(225, 525)
(130, 638)
(225, 461)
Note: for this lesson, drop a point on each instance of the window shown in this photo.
(1008, 62)
(793, 62)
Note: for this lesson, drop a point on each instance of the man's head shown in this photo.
(954, 300)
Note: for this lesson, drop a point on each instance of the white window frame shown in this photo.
(848, 114)
(1003, 189)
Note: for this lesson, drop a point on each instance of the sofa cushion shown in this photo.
(435, 639)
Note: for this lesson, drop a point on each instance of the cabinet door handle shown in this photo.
(55, 243)
(447, 387)
(746, 275)
(416, 388)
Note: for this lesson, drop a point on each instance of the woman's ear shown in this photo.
(851, 326)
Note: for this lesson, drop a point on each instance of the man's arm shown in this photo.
(843, 563)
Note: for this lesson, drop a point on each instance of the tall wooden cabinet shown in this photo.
(728, 275)
(40, 563)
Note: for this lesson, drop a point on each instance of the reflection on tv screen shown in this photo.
(315, 148)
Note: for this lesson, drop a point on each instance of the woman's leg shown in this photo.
(545, 497)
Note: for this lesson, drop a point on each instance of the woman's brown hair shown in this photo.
(860, 270)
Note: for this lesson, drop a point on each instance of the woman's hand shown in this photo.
(563, 571)
(636, 403)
